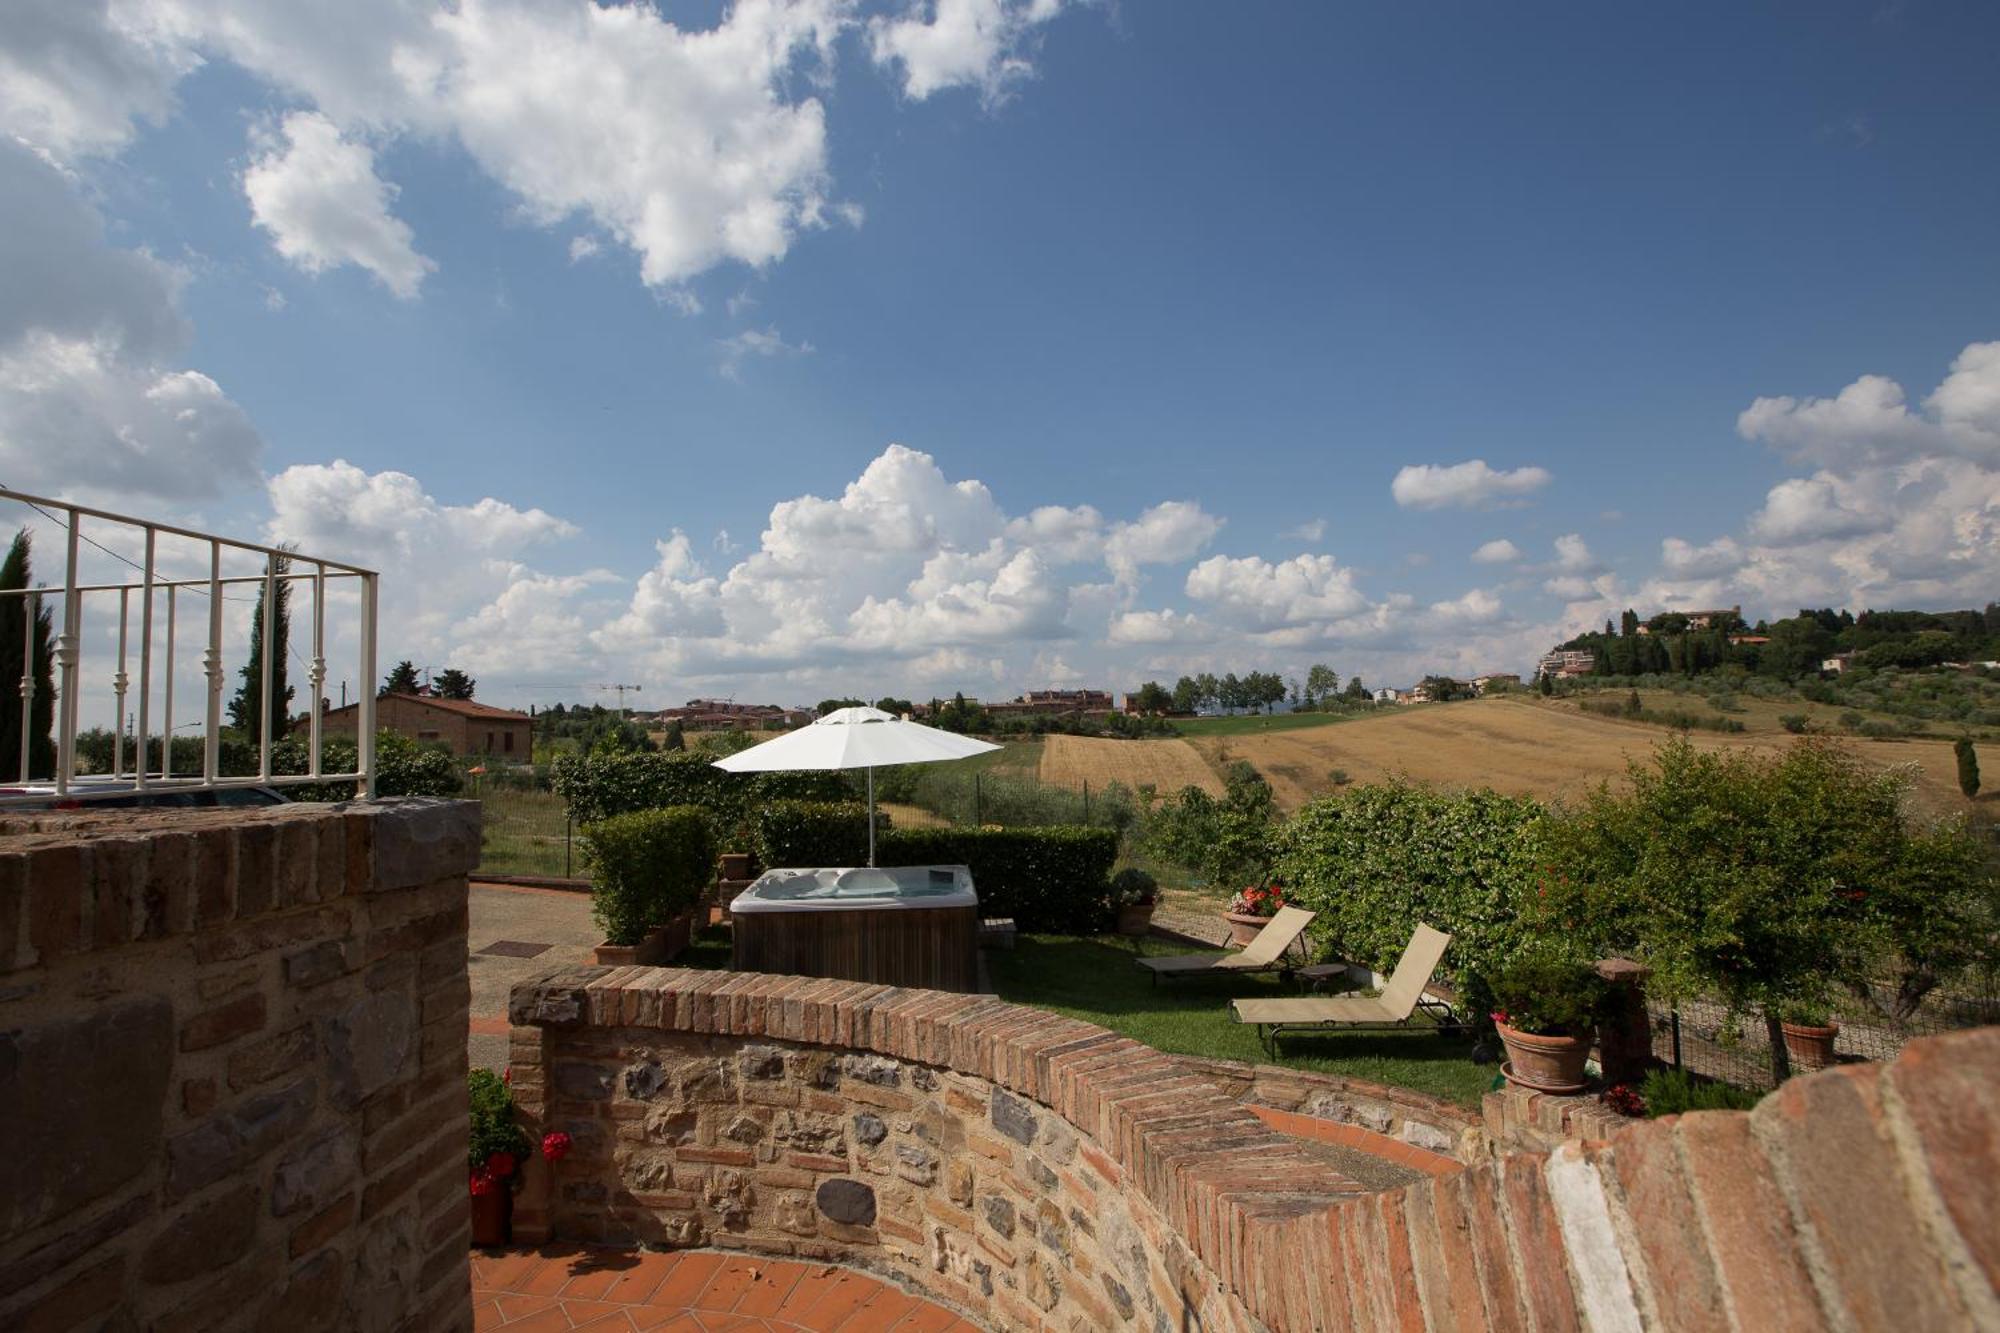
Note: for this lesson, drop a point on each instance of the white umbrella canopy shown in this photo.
(855, 738)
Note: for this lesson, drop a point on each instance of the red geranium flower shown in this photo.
(482, 1183)
(501, 1164)
(555, 1145)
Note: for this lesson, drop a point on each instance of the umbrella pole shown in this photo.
(871, 815)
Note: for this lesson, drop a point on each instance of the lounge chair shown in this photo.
(1400, 999)
(1266, 953)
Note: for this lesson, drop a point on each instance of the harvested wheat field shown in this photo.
(1072, 761)
(1513, 746)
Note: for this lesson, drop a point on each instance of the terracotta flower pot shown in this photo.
(1243, 926)
(1135, 918)
(493, 1217)
(645, 953)
(1544, 1063)
(1810, 1045)
(669, 940)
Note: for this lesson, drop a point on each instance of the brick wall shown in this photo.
(232, 1068)
(1046, 1173)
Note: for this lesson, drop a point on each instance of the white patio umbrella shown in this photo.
(855, 738)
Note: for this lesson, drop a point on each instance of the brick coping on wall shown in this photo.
(1857, 1197)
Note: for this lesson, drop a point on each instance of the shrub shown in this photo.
(1796, 723)
(647, 867)
(812, 833)
(403, 767)
(596, 786)
(1548, 992)
(494, 1129)
(1674, 1092)
(1768, 880)
(1375, 861)
(1133, 887)
(1048, 879)
(1225, 842)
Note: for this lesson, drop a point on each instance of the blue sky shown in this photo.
(559, 284)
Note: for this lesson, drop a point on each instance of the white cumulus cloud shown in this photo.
(942, 44)
(1470, 485)
(1499, 551)
(315, 190)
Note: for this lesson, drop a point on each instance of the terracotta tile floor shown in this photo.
(688, 1291)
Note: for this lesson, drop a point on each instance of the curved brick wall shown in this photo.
(1046, 1173)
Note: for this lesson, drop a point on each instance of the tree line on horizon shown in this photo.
(1797, 645)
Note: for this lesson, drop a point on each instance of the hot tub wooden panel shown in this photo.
(936, 948)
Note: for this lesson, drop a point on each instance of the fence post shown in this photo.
(566, 824)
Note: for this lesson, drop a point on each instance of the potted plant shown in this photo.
(649, 870)
(1809, 1031)
(494, 1157)
(1250, 910)
(1136, 893)
(1546, 1006)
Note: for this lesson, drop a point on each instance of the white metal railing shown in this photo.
(151, 587)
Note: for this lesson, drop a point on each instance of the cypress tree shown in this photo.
(245, 708)
(16, 573)
(1968, 766)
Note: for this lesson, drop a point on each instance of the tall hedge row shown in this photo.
(1375, 861)
(812, 833)
(596, 786)
(1055, 879)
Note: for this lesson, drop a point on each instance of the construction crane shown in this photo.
(621, 695)
(622, 690)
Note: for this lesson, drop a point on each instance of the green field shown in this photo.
(525, 833)
(1250, 724)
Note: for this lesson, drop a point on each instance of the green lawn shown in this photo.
(1096, 980)
(1245, 724)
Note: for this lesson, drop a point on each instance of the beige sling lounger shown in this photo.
(1266, 953)
(1402, 997)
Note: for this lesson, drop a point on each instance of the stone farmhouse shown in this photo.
(470, 728)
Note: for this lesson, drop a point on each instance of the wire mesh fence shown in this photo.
(1702, 1036)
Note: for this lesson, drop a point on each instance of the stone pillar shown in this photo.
(1625, 1036)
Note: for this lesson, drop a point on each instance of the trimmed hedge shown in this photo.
(1048, 879)
(812, 833)
(647, 867)
(597, 786)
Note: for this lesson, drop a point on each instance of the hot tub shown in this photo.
(894, 925)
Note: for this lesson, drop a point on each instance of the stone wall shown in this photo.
(232, 1068)
(1045, 1173)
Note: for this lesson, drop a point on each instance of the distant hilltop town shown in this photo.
(1812, 643)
